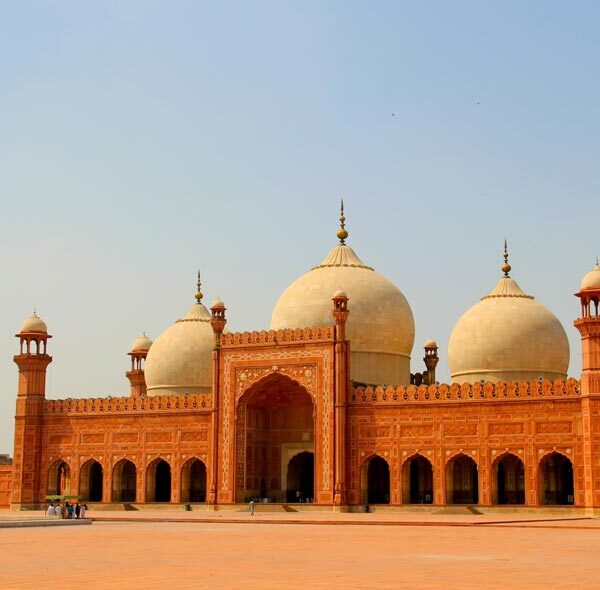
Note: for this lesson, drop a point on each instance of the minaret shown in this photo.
(431, 360)
(589, 328)
(138, 354)
(342, 374)
(217, 321)
(27, 487)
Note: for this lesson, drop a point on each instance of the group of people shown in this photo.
(67, 510)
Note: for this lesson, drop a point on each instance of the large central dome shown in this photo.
(381, 328)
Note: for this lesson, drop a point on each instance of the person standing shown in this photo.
(251, 507)
(82, 511)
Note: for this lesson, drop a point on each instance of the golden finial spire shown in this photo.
(342, 233)
(198, 294)
(505, 267)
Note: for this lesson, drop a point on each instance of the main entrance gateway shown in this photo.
(278, 438)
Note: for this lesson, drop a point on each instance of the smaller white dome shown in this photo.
(141, 344)
(430, 344)
(592, 279)
(217, 303)
(340, 293)
(34, 324)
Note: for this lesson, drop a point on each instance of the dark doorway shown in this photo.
(95, 482)
(301, 477)
(462, 481)
(510, 480)
(59, 479)
(417, 481)
(193, 481)
(162, 483)
(378, 481)
(124, 481)
(556, 480)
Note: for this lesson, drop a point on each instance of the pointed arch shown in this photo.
(59, 478)
(158, 481)
(417, 480)
(375, 480)
(193, 480)
(462, 480)
(91, 481)
(555, 479)
(124, 481)
(508, 479)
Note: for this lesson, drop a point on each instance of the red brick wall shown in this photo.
(5, 485)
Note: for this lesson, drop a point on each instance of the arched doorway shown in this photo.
(376, 481)
(275, 423)
(158, 481)
(124, 481)
(59, 479)
(193, 481)
(462, 482)
(508, 480)
(417, 481)
(91, 481)
(301, 477)
(556, 480)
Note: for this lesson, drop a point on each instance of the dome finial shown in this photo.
(342, 233)
(198, 294)
(505, 267)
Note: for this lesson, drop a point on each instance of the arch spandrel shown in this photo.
(253, 378)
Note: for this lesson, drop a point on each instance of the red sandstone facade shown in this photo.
(283, 422)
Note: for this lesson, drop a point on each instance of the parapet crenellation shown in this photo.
(115, 405)
(269, 337)
(487, 391)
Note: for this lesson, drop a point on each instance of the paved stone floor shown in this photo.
(185, 555)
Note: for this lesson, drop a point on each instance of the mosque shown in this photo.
(326, 409)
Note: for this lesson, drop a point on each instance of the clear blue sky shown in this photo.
(140, 141)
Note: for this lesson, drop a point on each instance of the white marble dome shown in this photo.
(141, 344)
(592, 279)
(380, 326)
(180, 359)
(34, 324)
(508, 336)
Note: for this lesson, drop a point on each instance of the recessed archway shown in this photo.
(508, 480)
(556, 480)
(158, 481)
(300, 481)
(275, 423)
(375, 477)
(462, 481)
(91, 477)
(124, 481)
(193, 481)
(417, 481)
(59, 479)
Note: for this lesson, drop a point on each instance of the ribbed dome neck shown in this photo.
(507, 287)
(342, 255)
(196, 313)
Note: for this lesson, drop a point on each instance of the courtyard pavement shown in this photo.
(215, 550)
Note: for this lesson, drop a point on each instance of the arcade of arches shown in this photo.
(277, 437)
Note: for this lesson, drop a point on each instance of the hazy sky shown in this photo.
(140, 141)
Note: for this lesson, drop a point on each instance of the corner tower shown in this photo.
(32, 361)
(136, 376)
(589, 328)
